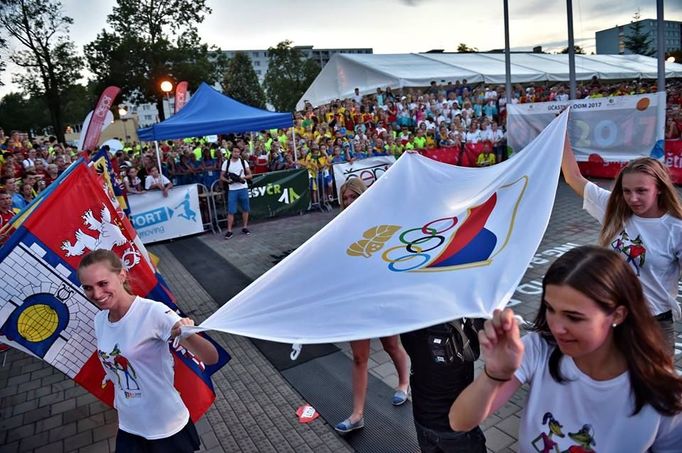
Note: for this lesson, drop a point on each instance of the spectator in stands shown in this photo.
(132, 182)
(157, 181)
(350, 191)
(6, 212)
(27, 193)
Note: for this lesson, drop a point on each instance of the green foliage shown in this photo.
(153, 41)
(288, 76)
(47, 56)
(578, 50)
(23, 114)
(463, 48)
(636, 41)
(26, 113)
(240, 81)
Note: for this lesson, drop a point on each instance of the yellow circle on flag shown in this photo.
(37, 323)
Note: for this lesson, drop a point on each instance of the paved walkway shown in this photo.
(42, 411)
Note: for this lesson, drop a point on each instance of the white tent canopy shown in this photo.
(345, 72)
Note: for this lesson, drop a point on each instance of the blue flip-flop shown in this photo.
(399, 398)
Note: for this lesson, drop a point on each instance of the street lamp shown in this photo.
(670, 59)
(167, 87)
(122, 112)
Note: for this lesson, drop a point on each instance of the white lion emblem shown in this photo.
(108, 235)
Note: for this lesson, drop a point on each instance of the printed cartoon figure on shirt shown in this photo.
(585, 440)
(554, 429)
(633, 249)
(116, 363)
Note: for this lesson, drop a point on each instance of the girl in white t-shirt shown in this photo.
(600, 377)
(642, 220)
(132, 341)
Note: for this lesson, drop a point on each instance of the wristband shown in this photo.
(493, 378)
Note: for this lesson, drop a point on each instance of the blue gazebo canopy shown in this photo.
(209, 112)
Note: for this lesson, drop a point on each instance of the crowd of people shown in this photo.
(599, 359)
(466, 120)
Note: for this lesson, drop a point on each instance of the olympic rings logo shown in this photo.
(416, 243)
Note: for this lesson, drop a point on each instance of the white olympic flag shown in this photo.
(427, 243)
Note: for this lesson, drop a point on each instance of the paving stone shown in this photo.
(77, 441)
(62, 432)
(496, 439)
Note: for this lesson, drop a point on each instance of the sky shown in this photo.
(387, 26)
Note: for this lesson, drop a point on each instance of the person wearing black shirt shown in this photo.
(435, 386)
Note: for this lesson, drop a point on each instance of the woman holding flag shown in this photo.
(600, 377)
(641, 219)
(132, 343)
(350, 191)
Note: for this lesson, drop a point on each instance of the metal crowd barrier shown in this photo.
(207, 208)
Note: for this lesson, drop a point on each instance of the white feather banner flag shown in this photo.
(427, 243)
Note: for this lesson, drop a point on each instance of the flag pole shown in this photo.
(158, 156)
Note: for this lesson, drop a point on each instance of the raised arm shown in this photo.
(569, 167)
(503, 350)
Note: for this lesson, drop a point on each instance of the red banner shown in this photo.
(180, 95)
(106, 100)
(596, 167)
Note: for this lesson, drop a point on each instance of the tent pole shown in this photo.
(571, 50)
(293, 137)
(158, 156)
(507, 56)
(660, 47)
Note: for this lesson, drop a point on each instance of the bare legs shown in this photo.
(360, 350)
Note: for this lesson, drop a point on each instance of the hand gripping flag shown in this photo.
(427, 243)
(43, 310)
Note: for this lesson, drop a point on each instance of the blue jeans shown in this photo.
(431, 441)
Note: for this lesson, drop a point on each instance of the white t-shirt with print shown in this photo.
(232, 166)
(652, 247)
(594, 414)
(138, 363)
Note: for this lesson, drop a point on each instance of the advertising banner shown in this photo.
(368, 170)
(602, 130)
(157, 218)
(279, 192)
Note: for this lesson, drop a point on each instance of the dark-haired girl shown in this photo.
(596, 362)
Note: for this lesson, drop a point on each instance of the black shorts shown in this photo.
(184, 441)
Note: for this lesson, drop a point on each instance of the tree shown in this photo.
(152, 41)
(48, 56)
(463, 48)
(18, 112)
(241, 82)
(578, 50)
(288, 76)
(636, 41)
